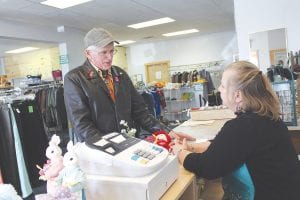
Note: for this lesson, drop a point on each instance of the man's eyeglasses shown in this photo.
(104, 53)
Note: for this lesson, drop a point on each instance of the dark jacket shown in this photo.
(91, 110)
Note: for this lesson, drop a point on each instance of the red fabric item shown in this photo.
(57, 75)
(160, 138)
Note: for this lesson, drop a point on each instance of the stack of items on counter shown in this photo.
(4, 83)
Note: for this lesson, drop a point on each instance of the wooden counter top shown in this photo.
(209, 131)
(183, 188)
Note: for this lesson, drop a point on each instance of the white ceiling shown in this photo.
(209, 16)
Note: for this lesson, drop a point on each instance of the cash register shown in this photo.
(121, 167)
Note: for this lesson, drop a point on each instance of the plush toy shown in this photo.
(71, 177)
(70, 181)
(160, 138)
(51, 168)
(8, 192)
(54, 164)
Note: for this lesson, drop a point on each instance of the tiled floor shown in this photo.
(212, 190)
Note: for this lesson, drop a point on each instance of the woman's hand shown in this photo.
(180, 149)
(180, 136)
(178, 146)
(198, 147)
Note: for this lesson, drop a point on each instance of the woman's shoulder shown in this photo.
(254, 122)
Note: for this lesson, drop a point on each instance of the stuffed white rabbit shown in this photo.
(71, 176)
(54, 164)
(69, 182)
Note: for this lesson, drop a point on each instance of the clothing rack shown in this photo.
(10, 91)
(51, 84)
(8, 96)
(209, 66)
(15, 97)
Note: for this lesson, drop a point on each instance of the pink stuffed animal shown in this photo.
(69, 182)
(54, 165)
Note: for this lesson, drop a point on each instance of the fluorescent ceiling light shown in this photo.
(181, 32)
(63, 3)
(151, 23)
(22, 50)
(126, 42)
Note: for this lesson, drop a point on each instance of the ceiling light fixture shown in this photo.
(181, 32)
(22, 50)
(152, 23)
(61, 4)
(126, 42)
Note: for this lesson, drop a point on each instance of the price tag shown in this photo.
(30, 109)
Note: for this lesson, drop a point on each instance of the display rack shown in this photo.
(178, 103)
(285, 91)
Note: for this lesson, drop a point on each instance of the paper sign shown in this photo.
(158, 75)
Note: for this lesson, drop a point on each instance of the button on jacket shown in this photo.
(91, 109)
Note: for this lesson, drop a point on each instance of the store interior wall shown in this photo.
(186, 51)
(2, 69)
(274, 39)
(33, 63)
(259, 42)
(266, 41)
(120, 59)
(71, 36)
(75, 47)
(256, 16)
(70, 43)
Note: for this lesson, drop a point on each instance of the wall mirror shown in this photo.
(268, 48)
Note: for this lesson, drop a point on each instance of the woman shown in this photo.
(257, 137)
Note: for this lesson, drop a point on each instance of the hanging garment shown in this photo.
(8, 161)
(206, 75)
(60, 109)
(162, 98)
(23, 175)
(149, 100)
(157, 103)
(32, 136)
(52, 108)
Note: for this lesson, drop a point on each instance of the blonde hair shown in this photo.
(256, 89)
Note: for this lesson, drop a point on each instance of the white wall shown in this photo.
(206, 48)
(277, 39)
(2, 68)
(256, 15)
(260, 43)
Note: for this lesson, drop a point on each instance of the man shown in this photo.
(98, 95)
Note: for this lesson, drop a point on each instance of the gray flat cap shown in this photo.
(98, 37)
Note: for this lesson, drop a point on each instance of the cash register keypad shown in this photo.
(145, 155)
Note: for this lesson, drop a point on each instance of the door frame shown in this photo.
(147, 65)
